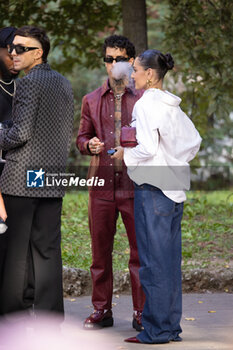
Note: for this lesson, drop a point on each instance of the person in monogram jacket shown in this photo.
(39, 141)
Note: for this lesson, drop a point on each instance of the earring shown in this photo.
(148, 83)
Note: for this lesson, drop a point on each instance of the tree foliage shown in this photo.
(199, 35)
(75, 26)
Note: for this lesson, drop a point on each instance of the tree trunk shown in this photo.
(134, 23)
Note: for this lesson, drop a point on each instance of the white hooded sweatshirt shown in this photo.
(167, 141)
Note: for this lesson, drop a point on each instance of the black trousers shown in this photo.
(32, 273)
(3, 245)
(2, 241)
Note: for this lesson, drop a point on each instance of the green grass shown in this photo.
(207, 231)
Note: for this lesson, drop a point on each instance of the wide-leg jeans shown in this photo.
(158, 233)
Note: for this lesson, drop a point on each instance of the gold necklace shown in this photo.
(7, 92)
(4, 82)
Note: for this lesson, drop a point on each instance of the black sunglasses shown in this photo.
(110, 59)
(19, 49)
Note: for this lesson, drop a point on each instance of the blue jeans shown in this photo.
(158, 233)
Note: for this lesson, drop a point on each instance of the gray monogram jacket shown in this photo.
(41, 133)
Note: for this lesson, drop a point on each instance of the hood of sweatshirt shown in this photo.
(164, 96)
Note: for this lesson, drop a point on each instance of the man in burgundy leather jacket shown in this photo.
(104, 111)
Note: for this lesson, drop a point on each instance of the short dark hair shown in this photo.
(119, 42)
(156, 60)
(39, 34)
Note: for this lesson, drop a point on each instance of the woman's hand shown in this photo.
(119, 154)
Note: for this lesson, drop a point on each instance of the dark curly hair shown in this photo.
(119, 42)
(36, 33)
(156, 60)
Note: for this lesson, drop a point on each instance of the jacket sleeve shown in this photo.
(25, 106)
(86, 128)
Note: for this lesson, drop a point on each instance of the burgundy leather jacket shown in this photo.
(97, 119)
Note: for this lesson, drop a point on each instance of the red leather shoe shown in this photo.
(137, 321)
(132, 340)
(99, 319)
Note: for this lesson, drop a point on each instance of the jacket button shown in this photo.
(110, 115)
(111, 132)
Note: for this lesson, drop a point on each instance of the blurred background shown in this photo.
(198, 33)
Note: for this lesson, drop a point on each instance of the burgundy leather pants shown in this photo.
(102, 221)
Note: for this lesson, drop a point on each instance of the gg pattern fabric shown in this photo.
(41, 134)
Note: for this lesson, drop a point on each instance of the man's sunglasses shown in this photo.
(110, 59)
(19, 49)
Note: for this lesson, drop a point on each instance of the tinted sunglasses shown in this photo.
(110, 59)
(19, 49)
